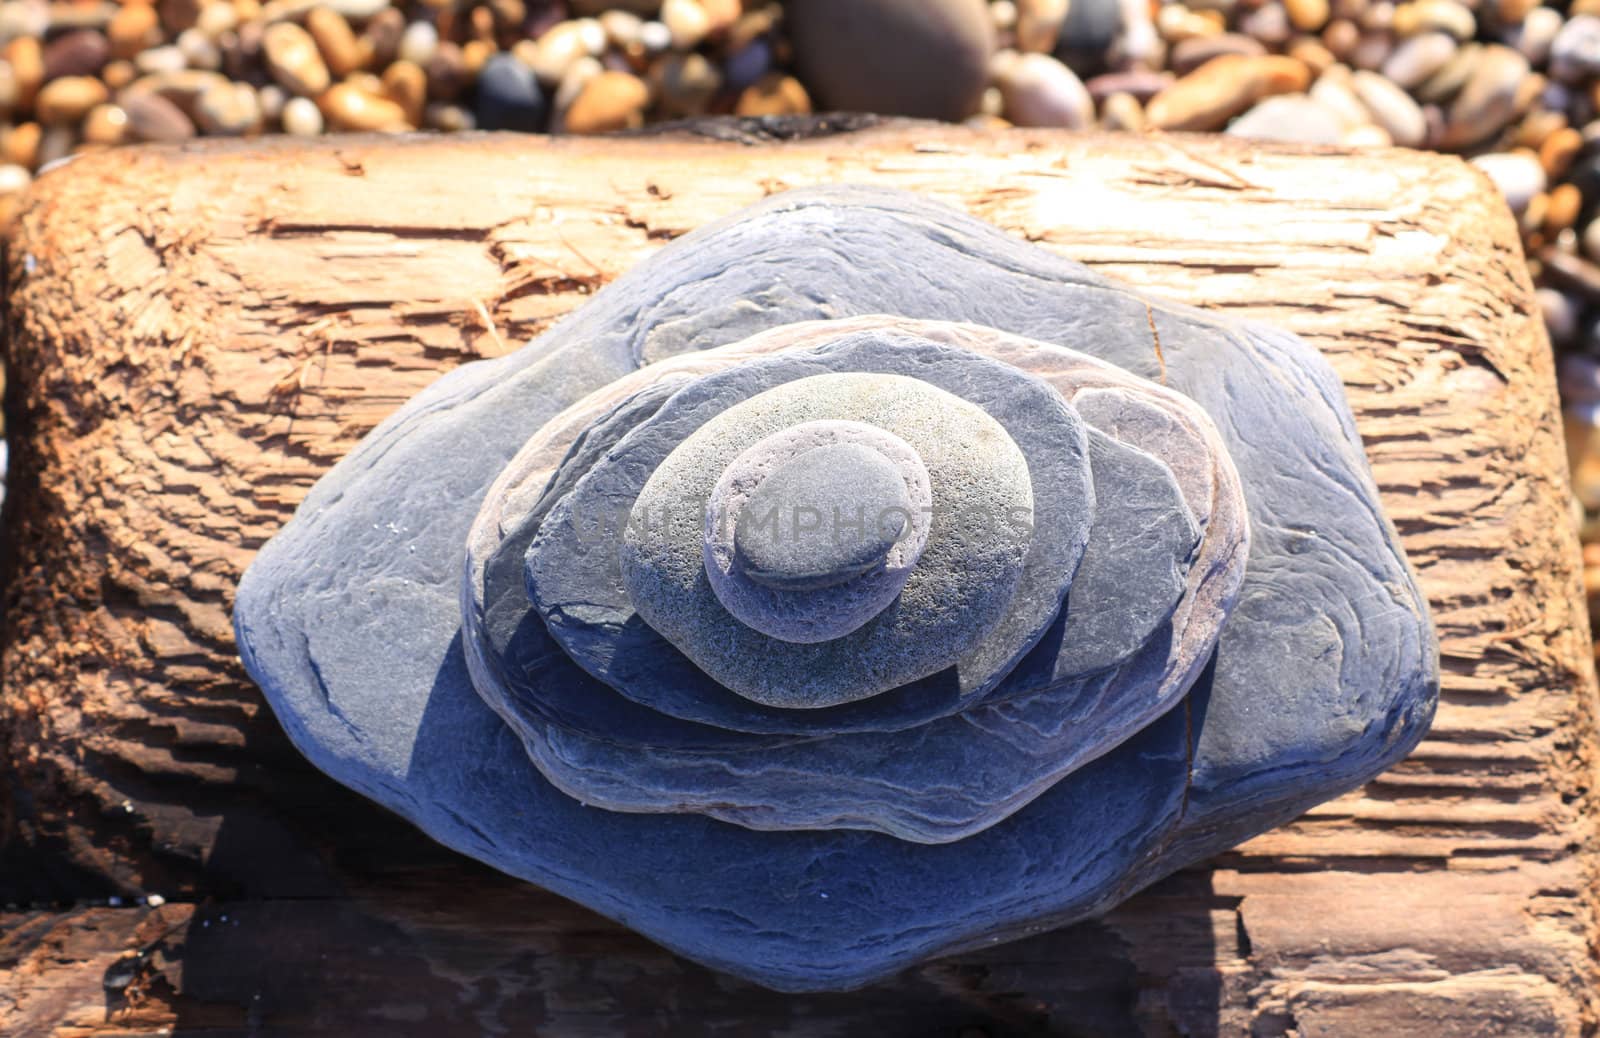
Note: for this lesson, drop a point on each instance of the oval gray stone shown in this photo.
(823, 519)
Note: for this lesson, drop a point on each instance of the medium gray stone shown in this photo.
(790, 536)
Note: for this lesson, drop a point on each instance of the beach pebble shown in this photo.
(151, 117)
(555, 52)
(1188, 55)
(1517, 174)
(347, 106)
(1535, 34)
(133, 28)
(607, 102)
(228, 109)
(1041, 91)
(1307, 15)
(335, 40)
(1575, 51)
(419, 43)
(1435, 16)
(1335, 90)
(1488, 99)
(1295, 117)
(1091, 26)
(1038, 24)
(293, 60)
(301, 117)
(509, 97)
(1391, 108)
(448, 118)
(1268, 23)
(1416, 59)
(774, 94)
(684, 83)
(1122, 112)
(1560, 316)
(406, 85)
(687, 21)
(926, 58)
(105, 124)
(748, 64)
(67, 100)
(1222, 88)
(82, 52)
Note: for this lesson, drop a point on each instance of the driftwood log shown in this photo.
(195, 334)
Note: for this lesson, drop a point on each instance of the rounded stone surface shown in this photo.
(923, 58)
(970, 567)
(784, 538)
(821, 612)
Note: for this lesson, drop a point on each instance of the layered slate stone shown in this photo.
(966, 587)
(1040, 723)
(1325, 671)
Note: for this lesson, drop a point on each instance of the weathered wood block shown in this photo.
(196, 334)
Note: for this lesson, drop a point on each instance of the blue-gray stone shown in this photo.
(788, 536)
(1325, 673)
(509, 97)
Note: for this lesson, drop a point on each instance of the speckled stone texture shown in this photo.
(1239, 626)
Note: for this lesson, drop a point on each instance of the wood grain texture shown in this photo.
(196, 334)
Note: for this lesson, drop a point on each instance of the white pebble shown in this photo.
(655, 37)
(1518, 175)
(1041, 91)
(301, 117)
(687, 21)
(419, 43)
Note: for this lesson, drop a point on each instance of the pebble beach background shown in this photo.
(1513, 85)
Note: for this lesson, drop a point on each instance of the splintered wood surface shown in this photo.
(196, 334)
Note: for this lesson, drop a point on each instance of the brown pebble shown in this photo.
(1558, 151)
(1309, 51)
(19, 144)
(1341, 38)
(1537, 126)
(294, 60)
(82, 52)
(1307, 15)
(64, 101)
(1533, 217)
(151, 117)
(607, 102)
(132, 29)
(380, 40)
(1122, 112)
(348, 107)
(406, 85)
(774, 94)
(1143, 84)
(335, 41)
(447, 72)
(228, 110)
(1208, 97)
(27, 66)
(474, 54)
(178, 15)
(119, 74)
(1489, 98)
(685, 83)
(1451, 77)
(1188, 55)
(105, 124)
(1512, 12)
(1562, 210)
